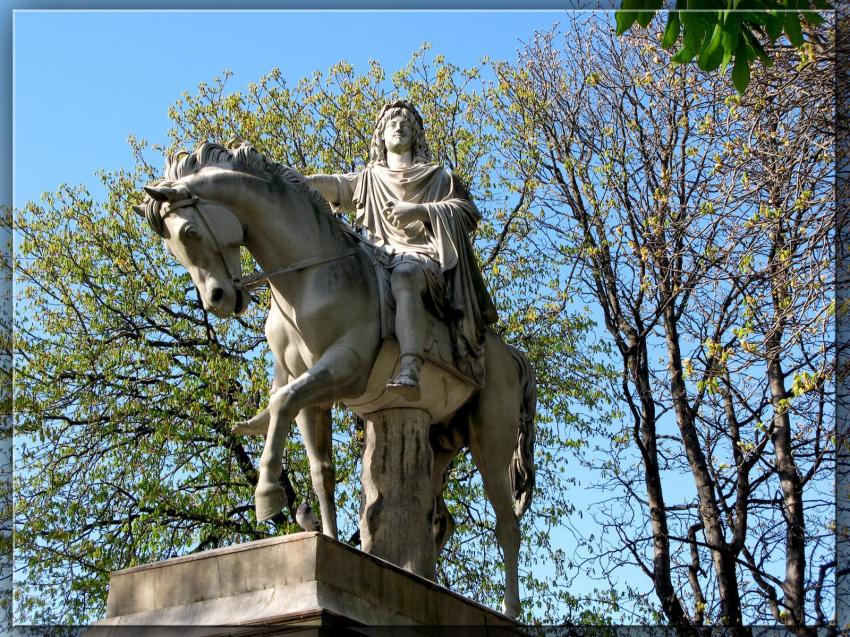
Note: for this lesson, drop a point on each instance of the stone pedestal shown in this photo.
(303, 584)
(398, 508)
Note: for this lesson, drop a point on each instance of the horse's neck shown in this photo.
(282, 227)
(290, 231)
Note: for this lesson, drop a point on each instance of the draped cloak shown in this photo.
(445, 237)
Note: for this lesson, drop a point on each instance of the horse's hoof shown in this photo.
(511, 610)
(269, 500)
(256, 426)
(249, 428)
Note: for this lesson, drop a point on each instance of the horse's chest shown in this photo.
(290, 350)
(301, 327)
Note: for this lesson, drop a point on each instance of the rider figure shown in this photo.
(422, 216)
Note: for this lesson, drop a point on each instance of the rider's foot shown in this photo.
(406, 382)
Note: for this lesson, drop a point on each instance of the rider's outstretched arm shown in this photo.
(328, 185)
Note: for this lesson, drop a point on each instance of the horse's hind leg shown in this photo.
(446, 443)
(493, 465)
(315, 426)
(493, 429)
(444, 524)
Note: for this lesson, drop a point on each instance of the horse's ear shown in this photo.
(139, 211)
(162, 193)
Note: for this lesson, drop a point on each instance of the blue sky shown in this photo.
(85, 80)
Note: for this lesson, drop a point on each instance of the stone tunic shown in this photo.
(445, 237)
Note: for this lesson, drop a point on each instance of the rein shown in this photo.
(256, 279)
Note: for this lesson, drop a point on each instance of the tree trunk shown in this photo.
(792, 498)
(396, 523)
(664, 589)
(721, 555)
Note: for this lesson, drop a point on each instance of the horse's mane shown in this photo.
(244, 158)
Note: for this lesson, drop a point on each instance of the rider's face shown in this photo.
(398, 133)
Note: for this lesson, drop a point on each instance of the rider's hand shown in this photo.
(401, 213)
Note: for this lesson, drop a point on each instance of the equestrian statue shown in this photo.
(390, 317)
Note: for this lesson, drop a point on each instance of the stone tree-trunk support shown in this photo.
(397, 519)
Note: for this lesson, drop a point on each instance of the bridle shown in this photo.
(194, 201)
(256, 279)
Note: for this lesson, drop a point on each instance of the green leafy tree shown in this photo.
(718, 34)
(126, 388)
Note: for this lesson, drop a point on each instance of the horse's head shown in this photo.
(205, 238)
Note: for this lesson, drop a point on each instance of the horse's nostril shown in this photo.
(217, 294)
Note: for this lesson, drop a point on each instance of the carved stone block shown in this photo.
(278, 586)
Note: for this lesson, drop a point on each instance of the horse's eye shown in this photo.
(189, 232)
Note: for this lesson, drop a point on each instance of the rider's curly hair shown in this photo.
(378, 150)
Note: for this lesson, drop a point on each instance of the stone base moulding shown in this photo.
(295, 584)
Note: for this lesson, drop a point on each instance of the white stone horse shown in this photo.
(324, 330)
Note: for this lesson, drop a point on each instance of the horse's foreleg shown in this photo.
(315, 426)
(269, 496)
(321, 384)
(258, 425)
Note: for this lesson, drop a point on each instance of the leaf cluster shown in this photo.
(717, 33)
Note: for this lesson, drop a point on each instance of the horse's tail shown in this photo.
(522, 463)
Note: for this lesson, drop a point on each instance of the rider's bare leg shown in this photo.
(408, 285)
